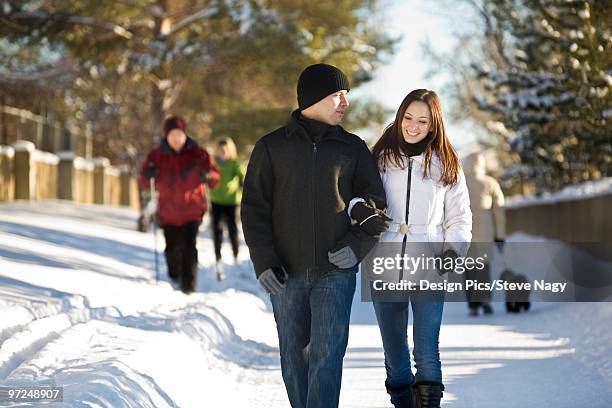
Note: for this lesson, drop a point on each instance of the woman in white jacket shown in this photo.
(428, 201)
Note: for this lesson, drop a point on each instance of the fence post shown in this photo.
(83, 181)
(45, 165)
(125, 185)
(129, 188)
(25, 177)
(113, 178)
(101, 182)
(7, 173)
(66, 175)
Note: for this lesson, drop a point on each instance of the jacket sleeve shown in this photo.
(210, 167)
(240, 173)
(144, 181)
(457, 217)
(499, 213)
(256, 210)
(367, 183)
(368, 186)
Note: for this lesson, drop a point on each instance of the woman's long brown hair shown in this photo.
(387, 149)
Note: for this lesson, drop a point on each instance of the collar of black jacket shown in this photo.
(189, 143)
(297, 126)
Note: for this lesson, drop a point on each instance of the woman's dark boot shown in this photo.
(401, 397)
(428, 394)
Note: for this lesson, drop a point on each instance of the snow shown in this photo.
(100, 162)
(7, 151)
(6, 7)
(589, 189)
(45, 157)
(80, 308)
(24, 146)
(201, 14)
(112, 171)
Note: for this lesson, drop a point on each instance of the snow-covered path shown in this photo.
(79, 309)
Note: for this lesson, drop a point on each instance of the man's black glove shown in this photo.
(151, 171)
(447, 261)
(370, 219)
(499, 242)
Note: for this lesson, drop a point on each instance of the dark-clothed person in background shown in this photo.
(181, 170)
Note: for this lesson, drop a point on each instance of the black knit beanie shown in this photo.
(318, 81)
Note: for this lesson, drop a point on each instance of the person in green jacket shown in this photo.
(225, 198)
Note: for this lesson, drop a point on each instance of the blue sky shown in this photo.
(416, 21)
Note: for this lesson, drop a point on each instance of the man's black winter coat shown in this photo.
(295, 196)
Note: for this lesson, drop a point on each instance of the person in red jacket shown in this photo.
(181, 170)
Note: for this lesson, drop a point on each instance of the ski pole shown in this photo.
(154, 220)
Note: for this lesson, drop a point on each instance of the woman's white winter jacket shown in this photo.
(436, 213)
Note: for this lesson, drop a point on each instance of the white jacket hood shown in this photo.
(475, 165)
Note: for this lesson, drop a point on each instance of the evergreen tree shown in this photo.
(226, 65)
(539, 75)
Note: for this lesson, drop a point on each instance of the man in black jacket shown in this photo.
(305, 251)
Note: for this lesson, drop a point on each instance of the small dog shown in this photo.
(516, 299)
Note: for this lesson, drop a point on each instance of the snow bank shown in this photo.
(582, 191)
(79, 308)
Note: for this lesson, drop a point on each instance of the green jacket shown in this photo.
(229, 189)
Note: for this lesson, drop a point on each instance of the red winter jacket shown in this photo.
(181, 193)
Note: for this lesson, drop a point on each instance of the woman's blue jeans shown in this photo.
(393, 323)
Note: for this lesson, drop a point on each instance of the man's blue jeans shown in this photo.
(312, 320)
(393, 323)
